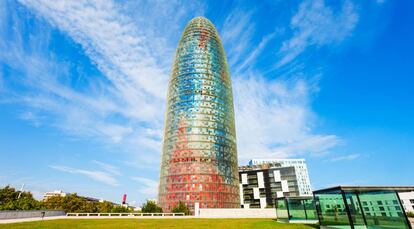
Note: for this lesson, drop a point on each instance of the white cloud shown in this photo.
(349, 157)
(236, 35)
(275, 119)
(148, 187)
(134, 52)
(315, 23)
(100, 176)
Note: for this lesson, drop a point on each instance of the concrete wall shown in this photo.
(237, 213)
(28, 214)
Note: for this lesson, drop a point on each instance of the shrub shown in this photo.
(181, 208)
(410, 214)
(151, 207)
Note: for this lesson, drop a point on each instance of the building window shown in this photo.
(395, 202)
(379, 202)
(364, 203)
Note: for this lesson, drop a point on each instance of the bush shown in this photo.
(410, 214)
(181, 208)
(151, 207)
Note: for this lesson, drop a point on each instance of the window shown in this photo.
(379, 202)
(364, 203)
(395, 202)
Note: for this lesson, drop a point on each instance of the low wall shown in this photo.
(28, 214)
(237, 213)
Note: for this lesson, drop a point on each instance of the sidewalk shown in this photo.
(21, 220)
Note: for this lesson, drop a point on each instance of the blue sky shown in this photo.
(83, 89)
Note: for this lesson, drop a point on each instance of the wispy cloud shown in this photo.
(349, 157)
(277, 119)
(108, 167)
(149, 187)
(236, 35)
(100, 176)
(315, 23)
(134, 53)
(126, 104)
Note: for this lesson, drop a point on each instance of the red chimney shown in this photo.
(124, 199)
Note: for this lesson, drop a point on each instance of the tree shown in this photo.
(181, 208)
(105, 206)
(10, 200)
(151, 207)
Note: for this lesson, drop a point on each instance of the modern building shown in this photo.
(361, 207)
(301, 171)
(199, 155)
(407, 199)
(261, 184)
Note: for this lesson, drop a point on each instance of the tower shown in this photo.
(199, 154)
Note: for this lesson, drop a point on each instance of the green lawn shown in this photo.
(157, 223)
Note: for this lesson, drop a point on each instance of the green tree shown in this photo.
(10, 200)
(181, 208)
(150, 207)
(105, 207)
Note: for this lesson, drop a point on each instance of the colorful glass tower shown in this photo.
(199, 155)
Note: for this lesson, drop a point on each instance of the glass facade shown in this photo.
(289, 209)
(199, 155)
(360, 208)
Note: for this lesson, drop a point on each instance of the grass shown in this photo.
(157, 223)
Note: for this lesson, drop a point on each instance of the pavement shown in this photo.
(21, 220)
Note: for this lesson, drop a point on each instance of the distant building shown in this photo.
(407, 199)
(301, 171)
(54, 193)
(63, 194)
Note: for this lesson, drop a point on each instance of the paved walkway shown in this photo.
(4, 221)
(21, 220)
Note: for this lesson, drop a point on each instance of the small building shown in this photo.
(47, 195)
(361, 207)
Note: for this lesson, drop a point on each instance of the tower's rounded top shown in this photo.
(200, 19)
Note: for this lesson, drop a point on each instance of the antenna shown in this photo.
(20, 193)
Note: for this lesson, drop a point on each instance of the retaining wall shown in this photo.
(28, 214)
